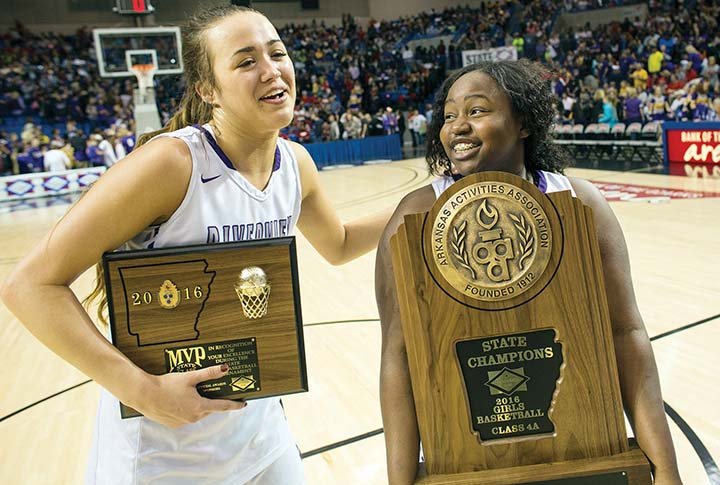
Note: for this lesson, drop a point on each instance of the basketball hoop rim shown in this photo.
(143, 68)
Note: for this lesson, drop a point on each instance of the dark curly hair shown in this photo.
(533, 104)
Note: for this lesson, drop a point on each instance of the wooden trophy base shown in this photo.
(628, 468)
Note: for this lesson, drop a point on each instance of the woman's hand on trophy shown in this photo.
(668, 476)
(172, 399)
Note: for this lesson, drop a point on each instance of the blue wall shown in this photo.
(355, 151)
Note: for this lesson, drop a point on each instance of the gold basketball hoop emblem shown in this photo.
(491, 241)
(253, 290)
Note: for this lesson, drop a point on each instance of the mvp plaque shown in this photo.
(187, 308)
(508, 338)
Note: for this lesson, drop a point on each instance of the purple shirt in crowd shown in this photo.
(632, 109)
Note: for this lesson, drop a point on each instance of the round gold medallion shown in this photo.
(491, 241)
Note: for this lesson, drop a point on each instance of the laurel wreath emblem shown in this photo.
(527, 239)
(458, 245)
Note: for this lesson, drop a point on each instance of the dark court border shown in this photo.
(43, 400)
(709, 464)
(711, 467)
(685, 327)
(333, 446)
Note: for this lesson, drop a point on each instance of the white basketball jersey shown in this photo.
(220, 205)
(547, 182)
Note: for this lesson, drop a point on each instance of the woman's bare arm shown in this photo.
(145, 187)
(336, 241)
(639, 381)
(402, 438)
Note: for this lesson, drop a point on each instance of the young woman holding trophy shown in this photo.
(497, 116)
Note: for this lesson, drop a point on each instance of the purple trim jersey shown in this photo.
(221, 205)
(545, 181)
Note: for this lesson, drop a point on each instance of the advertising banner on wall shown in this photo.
(493, 54)
(692, 149)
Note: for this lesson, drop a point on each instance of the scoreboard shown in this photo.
(133, 7)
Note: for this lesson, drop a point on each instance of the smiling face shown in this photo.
(254, 76)
(480, 132)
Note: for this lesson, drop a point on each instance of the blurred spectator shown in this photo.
(582, 110)
(401, 125)
(640, 77)
(655, 61)
(93, 154)
(632, 107)
(609, 113)
(105, 146)
(418, 127)
(656, 105)
(389, 121)
(567, 106)
(376, 127)
(56, 160)
(334, 128)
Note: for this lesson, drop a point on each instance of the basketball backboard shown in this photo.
(119, 48)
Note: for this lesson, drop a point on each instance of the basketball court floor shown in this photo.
(47, 408)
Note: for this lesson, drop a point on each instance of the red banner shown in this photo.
(139, 6)
(693, 145)
(695, 170)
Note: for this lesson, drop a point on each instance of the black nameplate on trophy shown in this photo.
(510, 381)
(186, 308)
(240, 355)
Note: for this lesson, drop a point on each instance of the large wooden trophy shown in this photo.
(186, 308)
(508, 338)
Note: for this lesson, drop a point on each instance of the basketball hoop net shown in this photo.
(144, 74)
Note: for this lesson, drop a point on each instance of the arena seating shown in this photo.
(597, 142)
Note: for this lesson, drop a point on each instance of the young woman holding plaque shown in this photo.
(218, 162)
(497, 117)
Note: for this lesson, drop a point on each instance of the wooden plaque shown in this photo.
(508, 337)
(186, 308)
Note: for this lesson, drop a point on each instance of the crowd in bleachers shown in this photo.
(664, 68)
(583, 5)
(56, 112)
(355, 81)
(33, 150)
(349, 75)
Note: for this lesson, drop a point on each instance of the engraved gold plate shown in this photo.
(491, 241)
